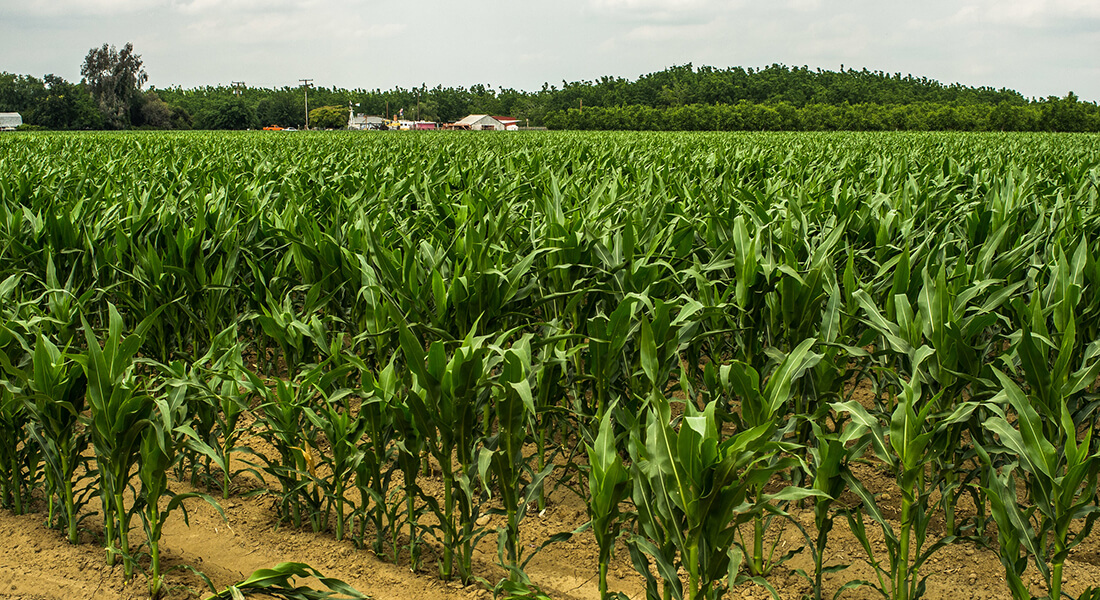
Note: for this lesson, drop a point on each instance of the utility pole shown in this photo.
(238, 88)
(305, 87)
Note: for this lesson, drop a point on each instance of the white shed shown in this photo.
(10, 120)
(361, 122)
(479, 123)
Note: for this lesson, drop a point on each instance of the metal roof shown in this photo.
(10, 119)
(471, 119)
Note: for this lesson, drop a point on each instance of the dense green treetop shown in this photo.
(673, 98)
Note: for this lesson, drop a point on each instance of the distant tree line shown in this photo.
(1053, 114)
(682, 97)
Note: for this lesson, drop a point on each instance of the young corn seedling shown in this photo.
(278, 582)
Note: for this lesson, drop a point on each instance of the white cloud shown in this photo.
(1026, 13)
(236, 6)
(648, 5)
(666, 33)
(57, 8)
(664, 11)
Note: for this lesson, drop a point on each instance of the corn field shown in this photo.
(673, 327)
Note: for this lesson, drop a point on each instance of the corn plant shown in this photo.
(765, 408)
(511, 472)
(608, 336)
(915, 436)
(373, 472)
(17, 459)
(830, 473)
(609, 484)
(119, 412)
(343, 428)
(1059, 472)
(409, 460)
(692, 490)
(283, 424)
(299, 333)
(59, 386)
(159, 446)
(446, 398)
(278, 582)
(216, 403)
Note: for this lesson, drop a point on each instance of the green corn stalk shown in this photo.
(692, 489)
(18, 459)
(829, 473)
(409, 459)
(160, 442)
(766, 408)
(552, 380)
(608, 336)
(1060, 474)
(446, 398)
(299, 334)
(63, 302)
(119, 412)
(59, 385)
(16, 463)
(283, 424)
(343, 428)
(609, 484)
(512, 474)
(915, 436)
(372, 474)
(216, 404)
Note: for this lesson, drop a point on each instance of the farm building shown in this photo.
(361, 122)
(10, 120)
(479, 123)
(510, 124)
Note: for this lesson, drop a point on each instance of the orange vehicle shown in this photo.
(273, 128)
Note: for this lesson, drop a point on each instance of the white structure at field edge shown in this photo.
(10, 120)
(484, 122)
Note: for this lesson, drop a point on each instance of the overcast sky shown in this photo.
(1038, 47)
